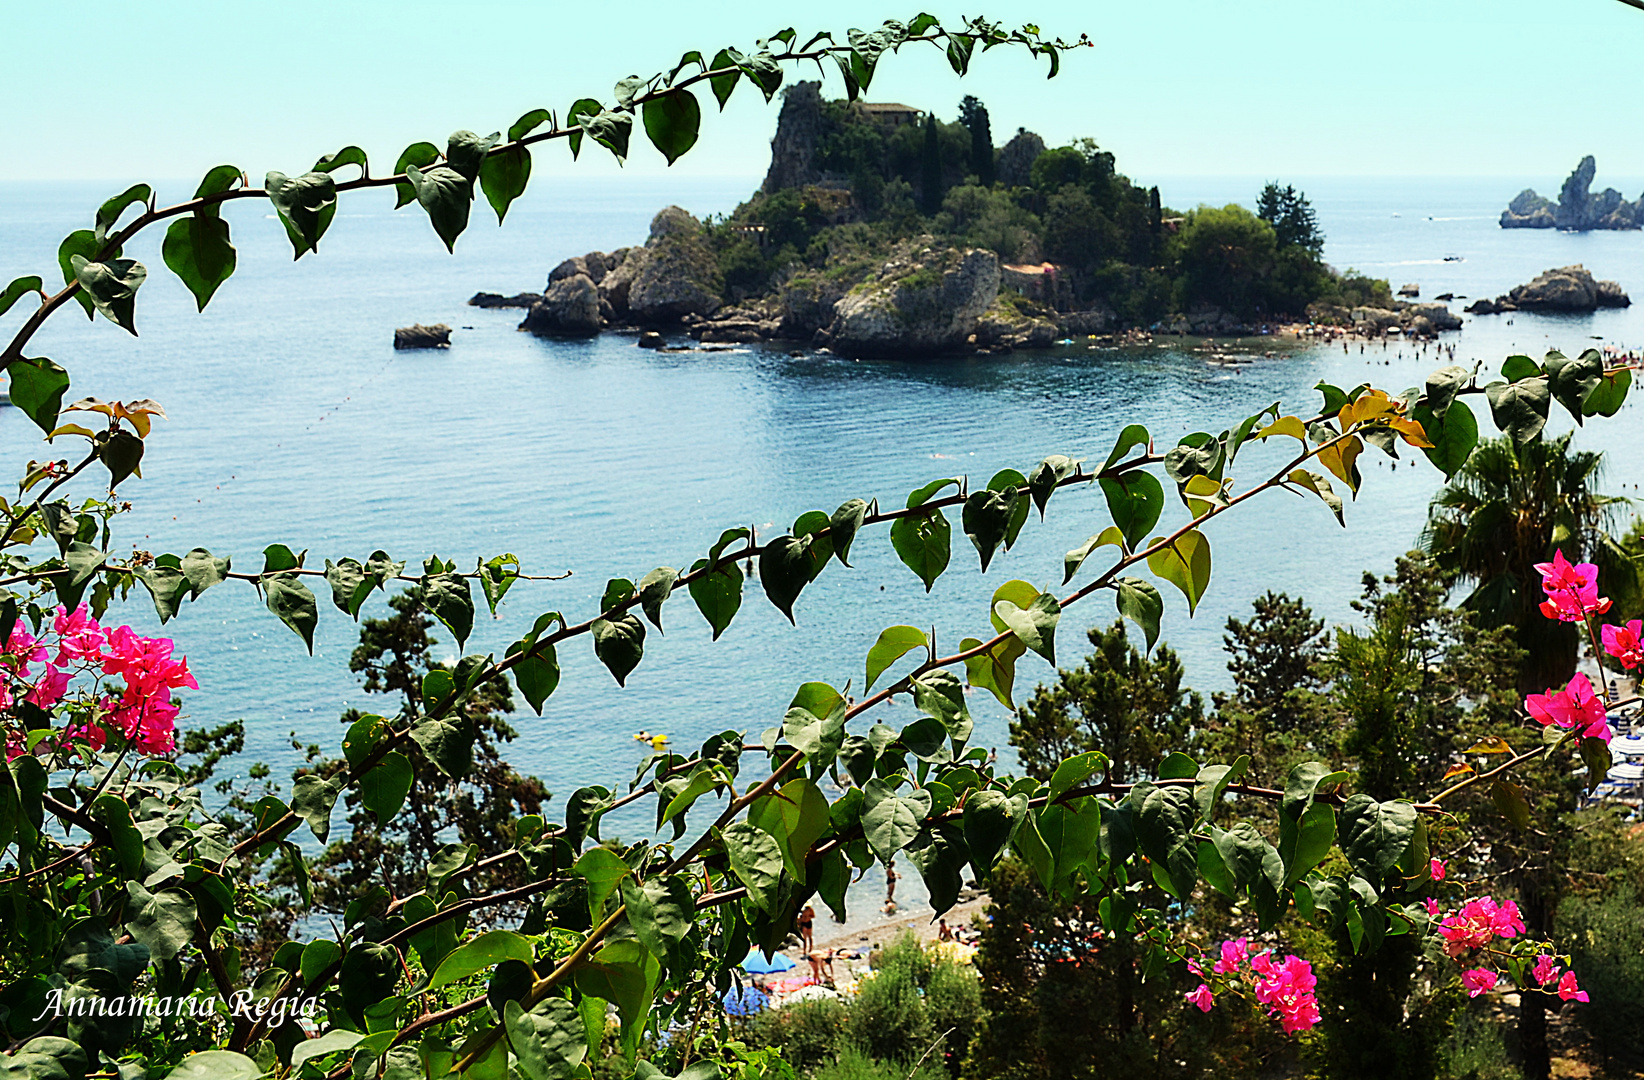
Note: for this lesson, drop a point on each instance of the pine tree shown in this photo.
(930, 169)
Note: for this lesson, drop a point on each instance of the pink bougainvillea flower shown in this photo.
(1287, 990)
(79, 637)
(51, 687)
(1572, 591)
(1575, 706)
(1545, 970)
(1477, 923)
(1262, 963)
(1234, 954)
(1478, 981)
(25, 648)
(1568, 990)
(1623, 643)
(1437, 869)
(1432, 907)
(1202, 997)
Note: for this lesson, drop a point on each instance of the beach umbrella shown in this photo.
(757, 964)
(1627, 771)
(1627, 746)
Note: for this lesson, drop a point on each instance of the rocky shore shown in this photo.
(1577, 208)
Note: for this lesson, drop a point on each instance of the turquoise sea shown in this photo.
(292, 420)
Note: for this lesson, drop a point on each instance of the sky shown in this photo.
(167, 89)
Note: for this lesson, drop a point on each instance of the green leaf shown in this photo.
(1165, 817)
(384, 788)
(1519, 409)
(447, 195)
(654, 588)
(19, 288)
(1047, 476)
(163, 921)
(37, 388)
(662, 911)
(1573, 381)
(785, 569)
(125, 841)
(725, 64)
(450, 600)
(1305, 842)
(306, 204)
(1034, 624)
(84, 243)
(1595, 753)
(619, 643)
(940, 695)
(448, 741)
(503, 177)
(1303, 784)
(797, 817)
(718, 595)
(216, 1065)
(1132, 436)
(420, 154)
(1374, 835)
(197, 250)
(987, 519)
(1073, 771)
(312, 798)
(294, 603)
(1212, 781)
(1140, 602)
(1509, 799)
(1453, 438)
(891, 821)
(1609, 395)
(894, 643)
(110, 211)
(815, 721)
(1076, 558)
(756, 860)
(1319, 484)
(485, 951)
(318, 955)
(939, 854)
(922, 543)
(202, 570)
(538, 674)
(122, 455)
(994, 670)
(1515, 368)
(671, 122)
(333, 1041)
(990, 821)
(496, 576)
(1185, 564)
(842, 527)
(548, 1041)
(1442, 387)
(112, 287)
(610, 129)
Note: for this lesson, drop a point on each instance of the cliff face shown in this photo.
(1577, 209)
(793, 151)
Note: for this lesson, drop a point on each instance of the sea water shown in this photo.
(292, 420)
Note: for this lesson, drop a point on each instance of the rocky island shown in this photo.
(1577, 209)
(1569, 289)
(883, 231)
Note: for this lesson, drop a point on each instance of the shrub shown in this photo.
(808, 1033)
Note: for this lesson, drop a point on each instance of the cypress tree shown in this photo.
(930, 169)
(974, 115)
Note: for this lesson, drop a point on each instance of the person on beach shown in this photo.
(943, 933)
(890, 883)
(807, 928)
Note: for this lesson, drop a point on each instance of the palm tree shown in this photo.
(1509, 508)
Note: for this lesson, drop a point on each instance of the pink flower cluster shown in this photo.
(143, 710)
(1546, 971)
(1575, 706)
(1477, 923)
(1625, 644)
(1572, 591)
(1284, 986)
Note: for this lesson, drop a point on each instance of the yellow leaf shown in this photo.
(1341, 458)
(1185, 564)
(1371, 405)
(1411, 431)
(1493, 744)
(71, 429)
(1456, 771)
(1285, 425)
(1202, 485)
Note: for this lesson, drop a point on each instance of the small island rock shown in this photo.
(569, 308)
(679, 275)
(419, 336)
(923, 302)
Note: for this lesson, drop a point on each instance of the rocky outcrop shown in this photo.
(619, 280)
(1577, 209)
(1006, 326)
(1014, 165)
(1208, 319)
(753, 321)
(1438, 317)
(419, 336)
(679, 275)
(924, 301)
(569, 308)
(1569, 288)
(497, 300)
(793, 150)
